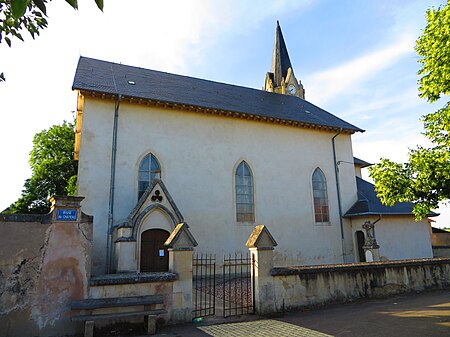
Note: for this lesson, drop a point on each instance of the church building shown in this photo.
(156, 149)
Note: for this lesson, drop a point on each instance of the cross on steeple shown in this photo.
(281, 78)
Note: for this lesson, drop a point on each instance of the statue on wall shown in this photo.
(371, 241)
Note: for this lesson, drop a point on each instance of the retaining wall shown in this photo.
(298, 287)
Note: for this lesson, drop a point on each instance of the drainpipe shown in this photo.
(112, 187)
(338, 189)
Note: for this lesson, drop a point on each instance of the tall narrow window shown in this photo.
(149, 169)
(245, 210)
(320, 195)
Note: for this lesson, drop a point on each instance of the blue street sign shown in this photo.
(66, 215)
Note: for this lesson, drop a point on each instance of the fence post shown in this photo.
(261, 245)
(181, 244)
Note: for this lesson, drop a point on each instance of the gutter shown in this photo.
(338, 189)
(109, 243)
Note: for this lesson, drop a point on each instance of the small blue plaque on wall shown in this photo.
(66, 215)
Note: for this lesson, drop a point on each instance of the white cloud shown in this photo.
(371, 104)
(328, 84)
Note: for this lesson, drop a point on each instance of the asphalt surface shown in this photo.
(413, 315)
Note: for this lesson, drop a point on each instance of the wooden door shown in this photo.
(154, 256)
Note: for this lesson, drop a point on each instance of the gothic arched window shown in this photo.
(149, 169)
(245, 208)
(320, 195)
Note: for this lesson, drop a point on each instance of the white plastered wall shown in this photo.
(399, 237)
(94, 172)
(198, 154)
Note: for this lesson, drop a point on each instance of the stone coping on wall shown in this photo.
(296, 270)
(131, 278)
(39, 218)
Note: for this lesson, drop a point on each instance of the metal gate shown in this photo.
(238, 286)
(231, 294)
(204, 285)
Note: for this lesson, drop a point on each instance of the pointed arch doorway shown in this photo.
(154, 255)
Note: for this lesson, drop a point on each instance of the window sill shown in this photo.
(322, 223)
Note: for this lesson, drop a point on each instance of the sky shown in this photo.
(355, 59)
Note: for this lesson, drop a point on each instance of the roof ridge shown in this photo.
(184, 76)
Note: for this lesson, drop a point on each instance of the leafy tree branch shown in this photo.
(53, 170)
(19, 16)
(425, 178)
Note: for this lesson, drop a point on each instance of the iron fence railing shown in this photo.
(204, 285)
(238, 285)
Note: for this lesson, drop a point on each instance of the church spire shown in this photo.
(280, 58)
(281, 78)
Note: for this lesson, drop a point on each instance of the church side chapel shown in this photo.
(157, 149)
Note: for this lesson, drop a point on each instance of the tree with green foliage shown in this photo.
(26, 15)
(53, 170)
(425, 178)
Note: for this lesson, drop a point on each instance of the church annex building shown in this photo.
(156, 149)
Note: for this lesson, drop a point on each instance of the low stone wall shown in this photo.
(44, 265)
(441, 243)
(298, 287)
(20, 259)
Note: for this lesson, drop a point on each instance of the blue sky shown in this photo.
(355, 59)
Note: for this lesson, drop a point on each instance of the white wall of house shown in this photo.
(198, 154)
(399, 237)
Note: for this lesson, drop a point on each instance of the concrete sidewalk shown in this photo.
(413, 315)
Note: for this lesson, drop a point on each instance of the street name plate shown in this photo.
(66, 215)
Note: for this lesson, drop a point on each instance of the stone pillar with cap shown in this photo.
(181, 244)
(261, 245)
(65, 209)
(66, 263)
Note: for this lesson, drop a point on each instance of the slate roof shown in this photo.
(361, 162)
(102, 77)
(369, 204)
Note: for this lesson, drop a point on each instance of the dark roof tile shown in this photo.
(361, 162)
(369, 204)
(111, 78)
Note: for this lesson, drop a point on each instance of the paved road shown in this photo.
(414, 315)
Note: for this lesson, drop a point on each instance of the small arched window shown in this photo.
(319, 183)
(245, 210)
(149, 169)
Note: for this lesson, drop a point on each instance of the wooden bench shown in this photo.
(88, 307)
